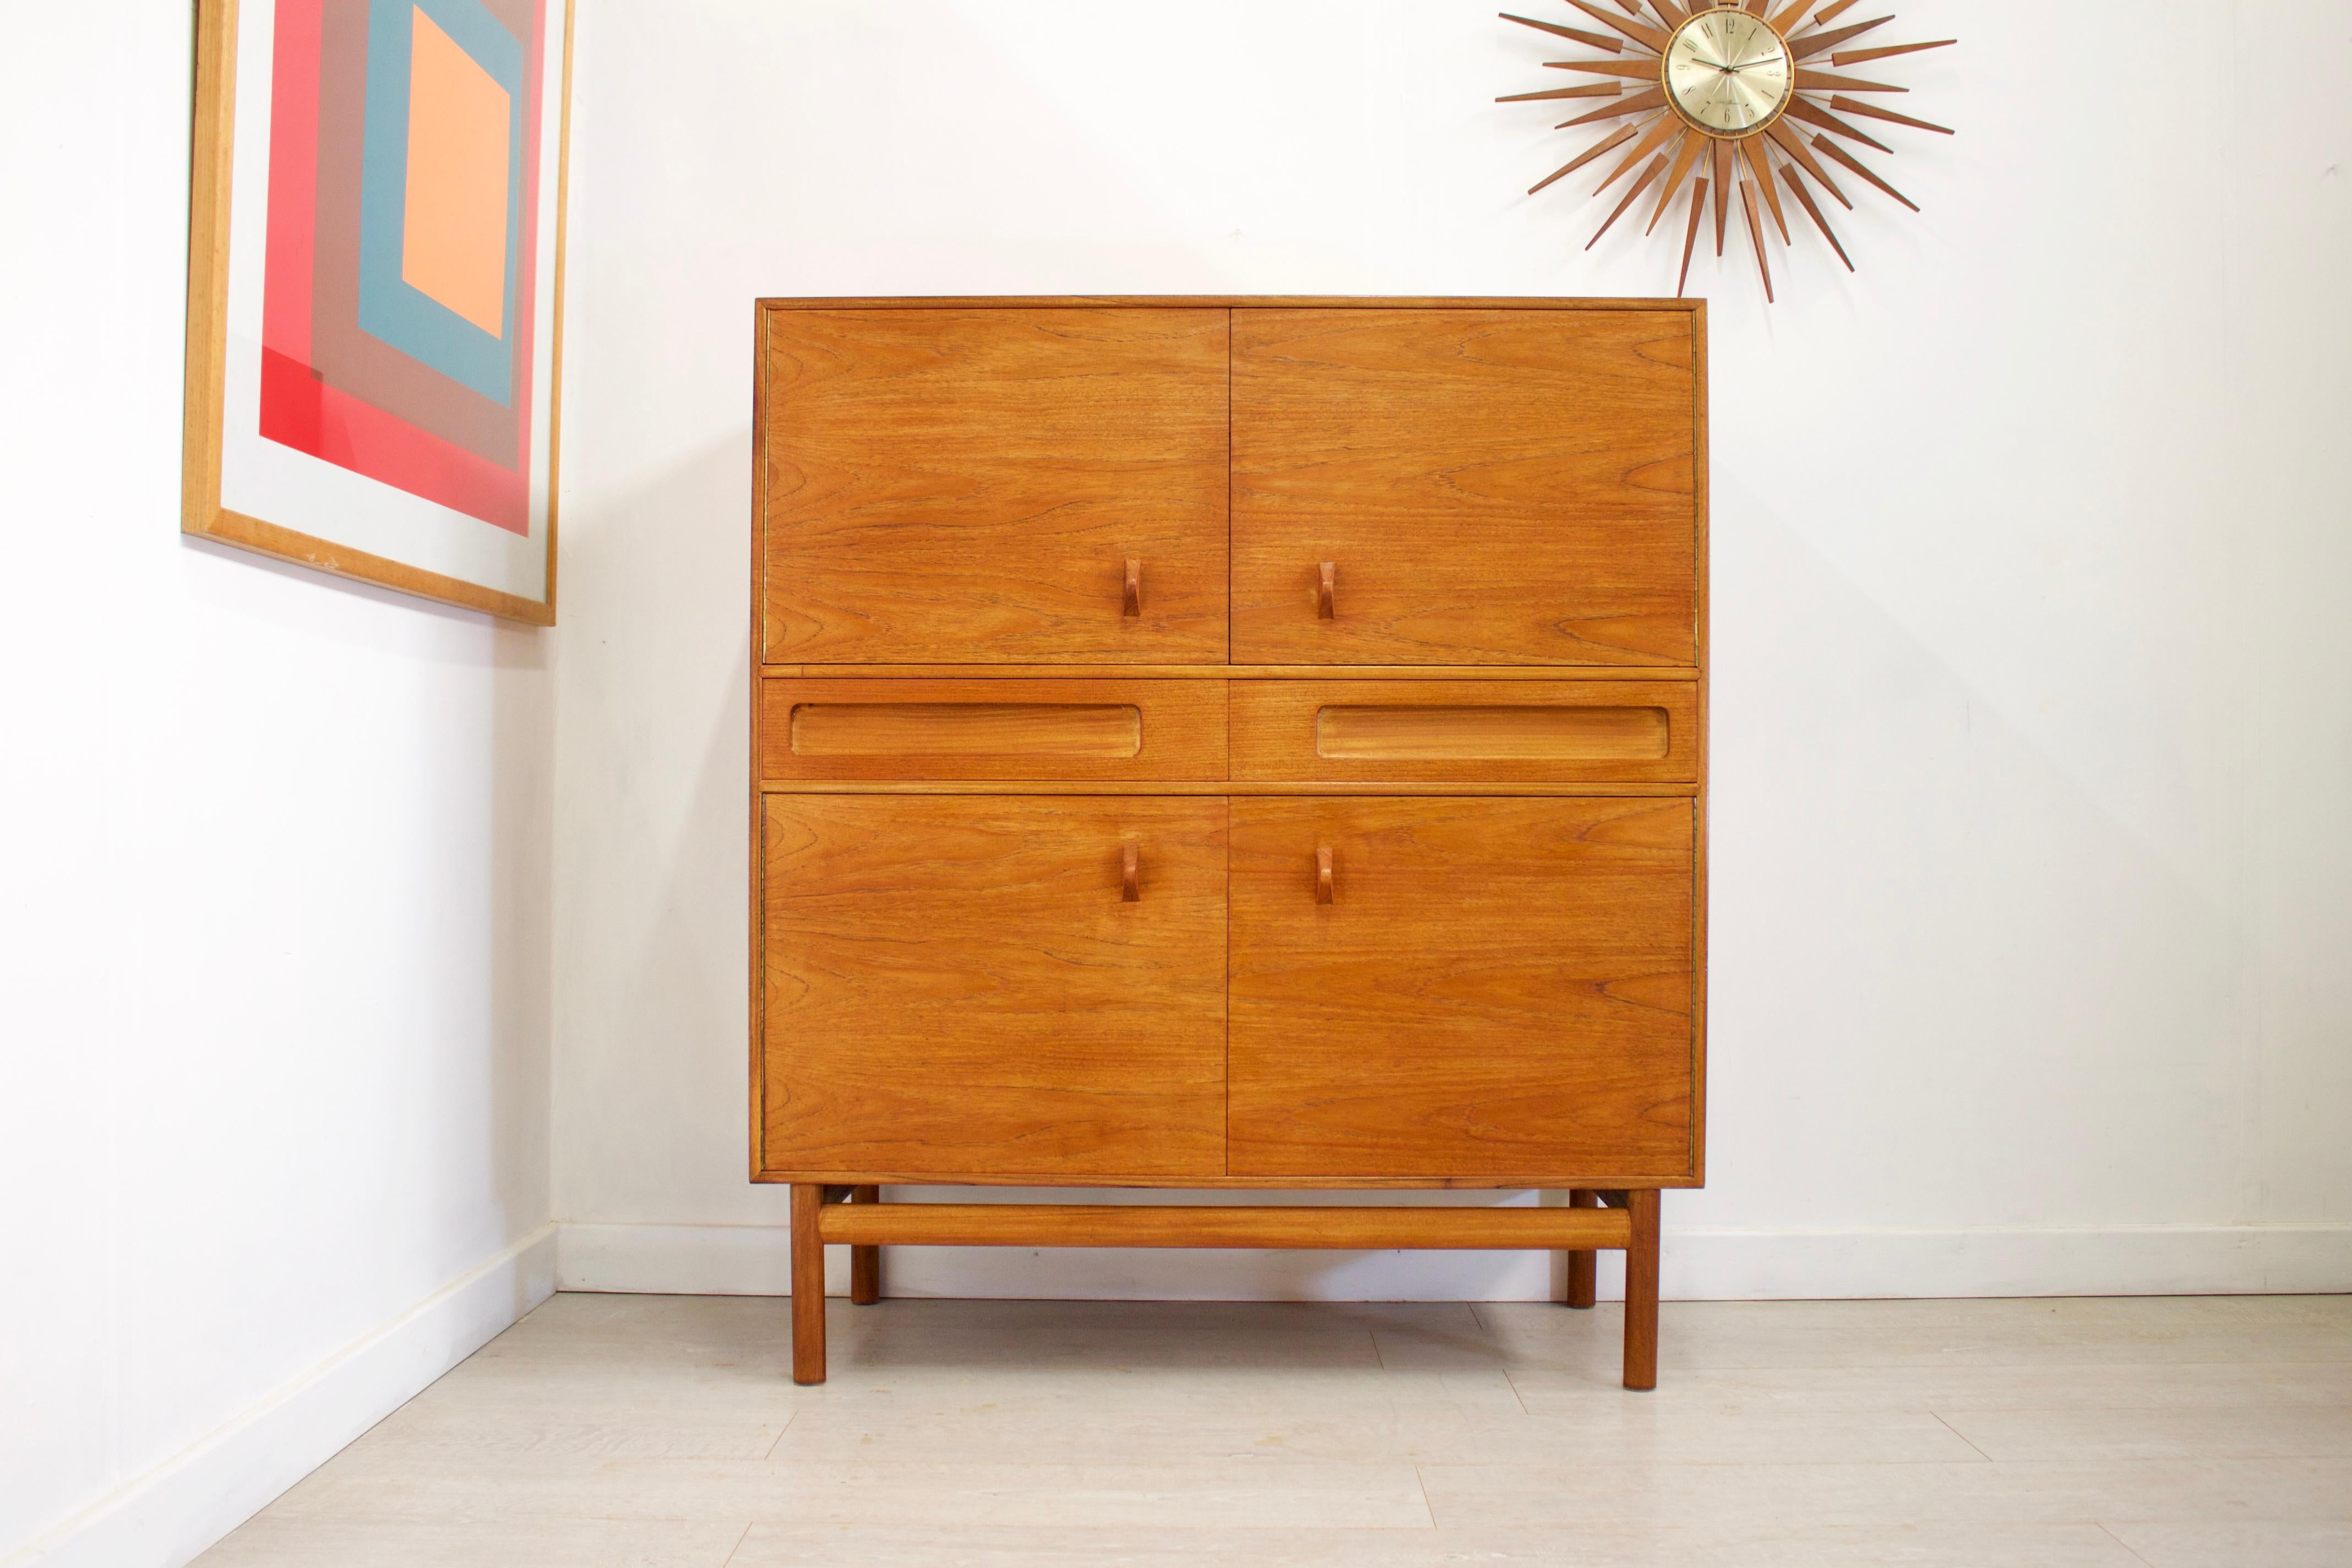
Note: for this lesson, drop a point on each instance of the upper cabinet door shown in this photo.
(1465, 487)
(976, 486)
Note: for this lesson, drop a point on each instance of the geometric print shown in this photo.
(398, 294)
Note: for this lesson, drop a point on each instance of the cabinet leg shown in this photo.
(1583, 1272)
(864, 1262)
(808, 1285)
(1641, 1292)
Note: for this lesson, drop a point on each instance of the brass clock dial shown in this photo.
(1745, 106)
(1728, 73)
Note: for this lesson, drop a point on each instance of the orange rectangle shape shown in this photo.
(454, 225)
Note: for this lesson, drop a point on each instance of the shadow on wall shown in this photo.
(652, 879)
(522, 920)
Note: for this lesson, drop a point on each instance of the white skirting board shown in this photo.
(1696, 1266)
(168, 1516)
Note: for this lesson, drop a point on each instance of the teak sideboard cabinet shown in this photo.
(1245, 743)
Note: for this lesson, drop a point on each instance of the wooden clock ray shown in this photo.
(1726, 93)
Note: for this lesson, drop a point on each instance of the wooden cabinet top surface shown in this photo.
(1227, 302)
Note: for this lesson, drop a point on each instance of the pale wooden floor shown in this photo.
(660, 1431)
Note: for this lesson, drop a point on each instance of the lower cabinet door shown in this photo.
(1485, 988)
(976, 987)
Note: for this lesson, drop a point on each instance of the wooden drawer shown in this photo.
(1489, 487)
(1496, 987)
(1504, 731)
(1160, 730)
(958, 986)
(967, 485)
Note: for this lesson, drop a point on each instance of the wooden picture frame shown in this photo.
(376, 291)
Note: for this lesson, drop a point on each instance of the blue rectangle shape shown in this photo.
(389, 307)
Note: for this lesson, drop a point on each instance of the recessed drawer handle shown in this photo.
(1130, 873)
(1323, 888)
(1326, 586)
(1133, 602)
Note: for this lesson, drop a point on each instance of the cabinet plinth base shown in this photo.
(1617, 1221)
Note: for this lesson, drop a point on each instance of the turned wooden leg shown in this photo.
(864, 1262)
(1641, 1292)
(1583, 1272)
(808, 1285)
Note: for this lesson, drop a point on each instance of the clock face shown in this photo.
(1688, 87)
(1727, 72)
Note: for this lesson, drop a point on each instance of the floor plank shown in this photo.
(2061, 1546)
(665, 1432)
(2243, 1543)
(281, 1539)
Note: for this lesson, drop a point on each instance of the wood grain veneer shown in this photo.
(1416, 731)
(1220, 672)
(1107, 1225)
(1447, 789)
(1106, 731)
(1491, 486)
(993, 729)
(966, 485)
(1494, 985)
(956, 986)
(1465, 731)
(1386, 869)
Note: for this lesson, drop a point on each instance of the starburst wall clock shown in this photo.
(1720, 93)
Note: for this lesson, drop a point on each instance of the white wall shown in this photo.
(2034, 712)
(274, 935)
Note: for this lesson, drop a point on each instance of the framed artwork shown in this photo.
(375, 291)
